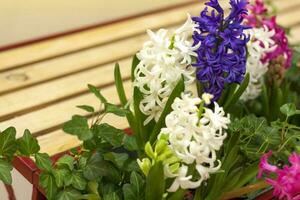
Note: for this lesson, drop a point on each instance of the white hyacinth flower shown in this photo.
(183, 181)
(194, 138)
(163, 60)
(260, 43)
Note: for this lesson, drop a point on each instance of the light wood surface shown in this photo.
(42, 83)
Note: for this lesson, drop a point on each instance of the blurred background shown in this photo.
(25, 20)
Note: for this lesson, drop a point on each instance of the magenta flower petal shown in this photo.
(287, 182)
(264, 166)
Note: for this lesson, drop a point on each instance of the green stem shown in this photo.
(197, 195)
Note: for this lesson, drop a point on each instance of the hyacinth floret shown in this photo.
(195, 133)
(286, 184)
(258, 17)
(260, 44)
(222, 52)
(164, 59)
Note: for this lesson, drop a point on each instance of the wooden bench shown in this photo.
(42, 82)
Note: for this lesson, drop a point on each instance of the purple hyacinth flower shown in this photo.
(222, 53)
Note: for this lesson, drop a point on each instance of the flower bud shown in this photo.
(160, 146)
(149, 150)
(144, 165)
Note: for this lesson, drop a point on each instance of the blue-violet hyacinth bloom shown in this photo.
(222, 54)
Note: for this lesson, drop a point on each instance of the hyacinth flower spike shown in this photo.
(222, 53)
(286, 184)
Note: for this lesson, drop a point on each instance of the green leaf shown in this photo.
(265, 100)
(66, 160)
(62, 177)
(97, 93)
(155, 183)
(28, 145)
(119, 85)
(141, 132)
(43, 161)
(135, 62)
(5, 172)
(110, 134)
(112, 173)
(118, 159)
(130, 143)
(78, 181)
(178, 195)
(78, 126)
(235, 97)
(289, 109)
(111, 196)
(8, 144)
(93, 169)
(93, 187)
(128, 192)
(137, 182)
(90, 197)
(248, 174)
(179, 88)
(122, 95)
(47, 181)
(69, 194)
(111, 108)
(86, 108)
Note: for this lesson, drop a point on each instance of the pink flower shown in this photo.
(287, 181)
(281, 41)
(258, 17)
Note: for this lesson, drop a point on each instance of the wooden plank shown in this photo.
(294, 37)
(74, 42)
(290, 18)
(39, 96)
(55, 115)
(59, 67)
(97, 36)
(37, 73)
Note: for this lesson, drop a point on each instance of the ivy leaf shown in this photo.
(66, 160)
(117, 159)
(137, 182)
(78, 181)
(289, 109)
(97, 93)
(43, 161)
(5, 172)
(112, 173)
(8, 145)
(110, 134)
(92, 170)
(155, 183)
(78, 126)
(69, 194)
(47, 181)
(128, 192)
(28, 145)
(93, 187)
(130, 143)
(90, 197)
(111, 108)
(111, 196)
(62, 177)
(86, 108)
